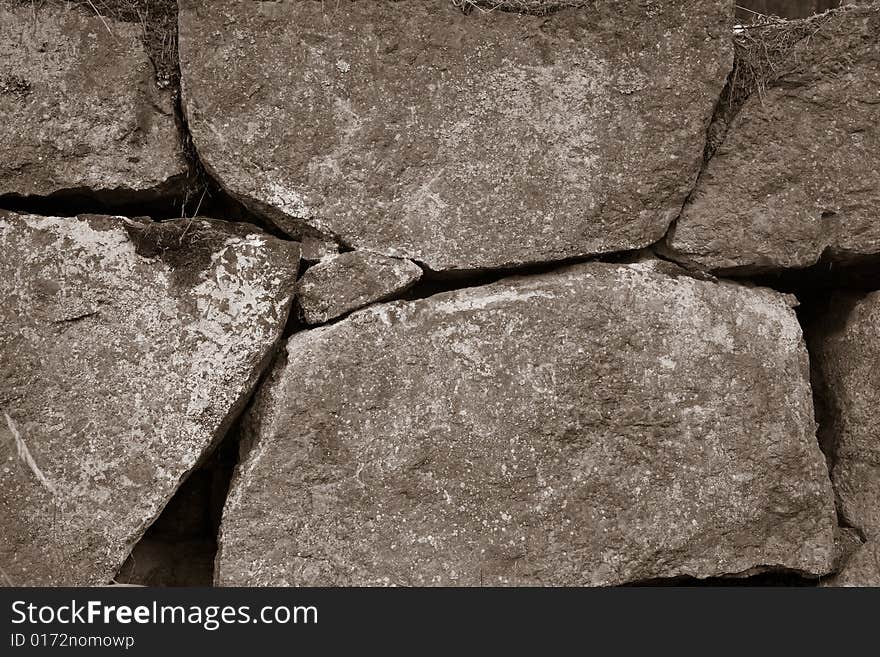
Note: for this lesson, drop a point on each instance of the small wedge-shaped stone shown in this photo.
(459, 141)
(797, 175)
(80, 106)
(348, 281)
(126, 349)
(845, 348)
(598, 425)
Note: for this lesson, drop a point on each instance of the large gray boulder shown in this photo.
(81, 109)
(797, 174)
(598, 425)
(845, 348)
(126, 349)
(459, 141)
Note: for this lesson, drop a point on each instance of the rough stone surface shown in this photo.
(458, 141)
(315, 249)
(80, 106)
(597, 425)
(348, 281)
(797, 174)
(126, 349)
(863, 568)
(846, 543)
(845, 349)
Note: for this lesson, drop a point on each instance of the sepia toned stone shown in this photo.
(348, 281)
(461, 141)
(796, 176)
(81, 109)
(126, 350)
(599, 425)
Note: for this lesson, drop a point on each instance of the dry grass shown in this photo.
(764, 49)
(764, 52)
(187, 247)
(538, 7)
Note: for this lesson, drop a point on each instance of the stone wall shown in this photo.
(438, 293)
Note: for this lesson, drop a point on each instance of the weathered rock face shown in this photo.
(348, 281)
(81, 110)
(846, 543)
(459, 141)
(797, 174)
(315, 249)
(126, 348)
(863, 569)
(599, 425)
(845, 346)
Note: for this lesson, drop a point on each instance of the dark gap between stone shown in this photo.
(815, 288)
(781, 578)
(179, 547)
(197, 193)
(746, 10)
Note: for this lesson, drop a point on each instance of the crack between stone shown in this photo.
(205, 196)
(201, 186)
(767, 575)
(226, 445)
(661, 247)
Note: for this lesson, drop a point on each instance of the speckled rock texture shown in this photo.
(342, 283)
(845, 348)
(597, 425)
(863, 569)
(126, 349)
(315, 249)
(525, 6)
(80, 106)
(460, 141)
(847, 542)
(796, 176)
